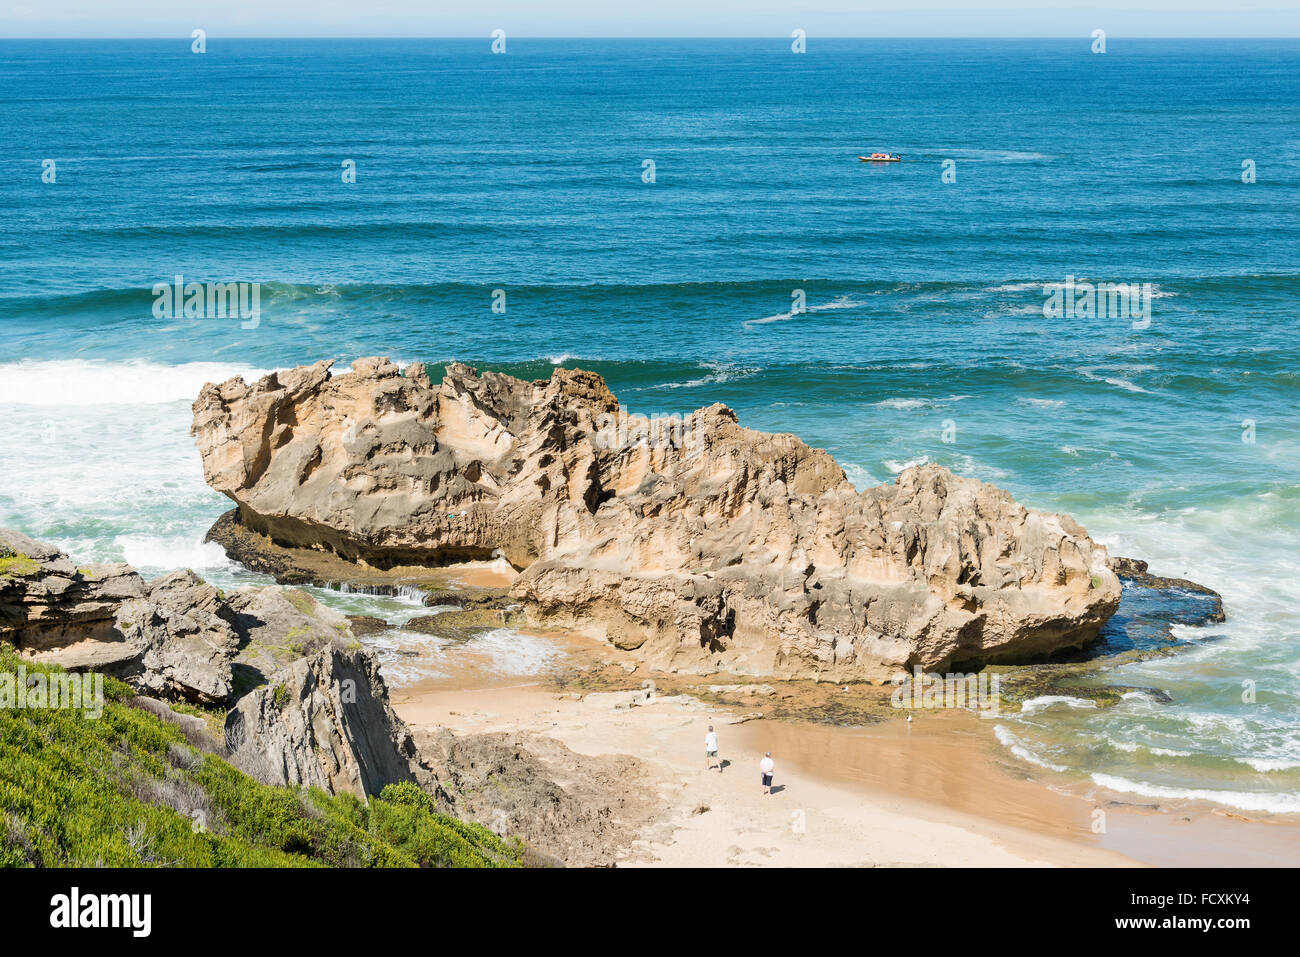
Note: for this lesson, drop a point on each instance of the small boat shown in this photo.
(881, 158)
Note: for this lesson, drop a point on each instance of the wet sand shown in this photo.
(953, 760)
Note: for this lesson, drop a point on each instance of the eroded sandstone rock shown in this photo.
(714, 548)
(167, 637)
(321, 719)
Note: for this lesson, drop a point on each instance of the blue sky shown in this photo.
(523, 18)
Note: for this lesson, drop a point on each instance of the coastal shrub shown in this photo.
(127, 790)
(407, 794)
(16, 564)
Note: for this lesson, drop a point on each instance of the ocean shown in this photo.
(689, 218)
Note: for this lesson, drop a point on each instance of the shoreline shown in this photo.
(941, 777)
(708, 818)
(880, 796)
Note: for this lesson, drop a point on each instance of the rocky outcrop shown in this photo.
(321, 719)
(277, 627)
(1207, 603)
(325, 721)
(511, 784)
(474, 614)
(183, 639)
(176, 637)
(47, 602)
(172, 637)
(699, 546)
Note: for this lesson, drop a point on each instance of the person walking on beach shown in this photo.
(711, 750)
(766, 767)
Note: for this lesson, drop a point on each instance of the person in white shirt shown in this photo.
(767, 766)
(711, 750)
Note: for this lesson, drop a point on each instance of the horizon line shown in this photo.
(626, 36)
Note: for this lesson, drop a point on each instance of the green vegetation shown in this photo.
(304, 602)
(129, 790)
(293, 645)
(18, 564)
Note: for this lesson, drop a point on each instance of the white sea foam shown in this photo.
(93, 382)
(1017, 747)
(1043, 702)
(1049, 285)
(860, 477)
(886, 367)
(516, 653)
(917, 403)
(1280, 803)
(970, 468)
(1265, 765)
(1073, 451)
(151, 553)
(1194, 633)
(840, 302)
(1132, 747)
(1118, 382)
(1035, 286)
(720, 373)
(895, 466)
(99, 461)
(407, 657)
(1041, 403)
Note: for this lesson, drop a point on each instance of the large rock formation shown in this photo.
(325, 721)
(701, 545)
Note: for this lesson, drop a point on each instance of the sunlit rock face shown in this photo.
(697, 544)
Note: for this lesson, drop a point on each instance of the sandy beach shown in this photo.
(935, 791)
(815, 816)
